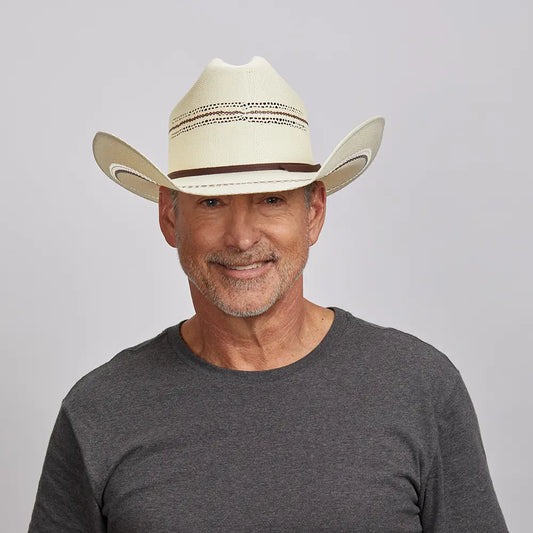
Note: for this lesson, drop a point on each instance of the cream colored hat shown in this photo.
(240, 129)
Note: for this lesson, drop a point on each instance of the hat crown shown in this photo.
(238, 115)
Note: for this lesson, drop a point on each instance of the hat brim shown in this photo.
(133, 171)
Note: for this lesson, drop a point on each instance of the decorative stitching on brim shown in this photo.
(116, 168)
(237, 183)
(345, 162)
(349, 160)
(155, 198)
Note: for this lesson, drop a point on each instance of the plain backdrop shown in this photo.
(434, 239)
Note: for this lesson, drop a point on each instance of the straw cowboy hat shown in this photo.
(239, 129)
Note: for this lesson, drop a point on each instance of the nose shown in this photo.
(242, 230)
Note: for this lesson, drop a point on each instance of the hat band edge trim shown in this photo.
(289, 167)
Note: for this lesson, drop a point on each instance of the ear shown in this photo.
(167, 216)
(317, 212)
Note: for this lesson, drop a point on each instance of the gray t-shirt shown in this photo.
(373, 431)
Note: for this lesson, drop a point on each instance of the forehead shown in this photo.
(239, 198)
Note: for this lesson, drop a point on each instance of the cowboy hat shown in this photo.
(239, 129)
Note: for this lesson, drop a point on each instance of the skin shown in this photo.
(244, 256)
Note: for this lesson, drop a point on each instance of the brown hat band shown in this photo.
(289, 167)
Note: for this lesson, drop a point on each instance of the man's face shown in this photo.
(243, 252)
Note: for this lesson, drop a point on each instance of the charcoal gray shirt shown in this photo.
(373, 431)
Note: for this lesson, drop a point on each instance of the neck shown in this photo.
(288, 331)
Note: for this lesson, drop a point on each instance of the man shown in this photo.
(264, 411)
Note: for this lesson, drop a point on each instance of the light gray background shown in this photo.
(434, 239)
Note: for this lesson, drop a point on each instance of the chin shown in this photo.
(243, 311)
(243, 305)
(244, 298)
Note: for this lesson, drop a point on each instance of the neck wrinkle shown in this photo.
(288, 331)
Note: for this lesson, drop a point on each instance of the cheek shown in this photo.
(195, 241)
(292, 242)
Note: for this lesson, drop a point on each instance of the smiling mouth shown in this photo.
(245, 264)
(246, 271)
(246, 267)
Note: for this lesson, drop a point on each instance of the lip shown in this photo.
(245, 271)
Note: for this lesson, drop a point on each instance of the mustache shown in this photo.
(231, 259)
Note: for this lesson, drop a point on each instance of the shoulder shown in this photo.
(399, 356)
(399, 345)
(122, 377)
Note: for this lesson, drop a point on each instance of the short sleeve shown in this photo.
(459, 496)
(65, 500)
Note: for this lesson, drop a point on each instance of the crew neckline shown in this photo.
(257, 376)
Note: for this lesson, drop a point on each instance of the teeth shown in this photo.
(246, 267)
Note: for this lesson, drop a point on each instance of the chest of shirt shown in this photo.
(314, 466)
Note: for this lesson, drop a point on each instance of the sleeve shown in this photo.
(65, 500)
(459, 496)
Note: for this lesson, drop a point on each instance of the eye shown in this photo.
(272, 200)
(211, 202)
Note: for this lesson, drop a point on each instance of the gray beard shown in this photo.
(209, 290)
(212, 295)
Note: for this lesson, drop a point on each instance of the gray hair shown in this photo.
(308, 192)
(174, 196)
